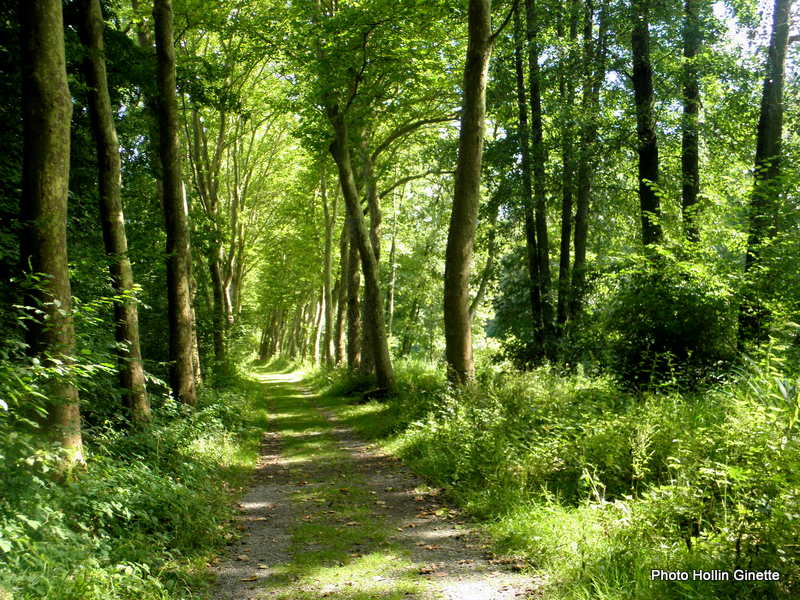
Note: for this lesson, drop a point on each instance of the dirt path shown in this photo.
(329, 516)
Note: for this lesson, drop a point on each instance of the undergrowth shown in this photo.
(597, 487)
(141, 521)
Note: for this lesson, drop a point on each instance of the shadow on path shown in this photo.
(329, 516)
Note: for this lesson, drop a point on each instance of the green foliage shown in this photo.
(667, 320)
(139, 522)
(595, 486)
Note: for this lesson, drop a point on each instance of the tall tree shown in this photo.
(566, 93)
(594, 73)
(46, 113)
(690, 150)
(539, 161)
(763, 203)
(126, 315)
(647, 144)
(466, 196)
(527, 186)
(176, 216)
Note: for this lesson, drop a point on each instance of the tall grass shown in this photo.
(141, 521)
(597, 487)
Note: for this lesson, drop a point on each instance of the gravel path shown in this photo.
(441, 557)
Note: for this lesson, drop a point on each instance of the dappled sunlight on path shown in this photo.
(329, 516)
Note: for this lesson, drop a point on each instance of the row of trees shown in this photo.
(314, 154)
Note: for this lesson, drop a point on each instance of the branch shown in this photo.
(404, 180)
(405, 130)
(493, 37)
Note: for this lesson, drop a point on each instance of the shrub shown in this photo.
(668, 320)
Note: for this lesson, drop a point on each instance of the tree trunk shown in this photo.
(219, 318)
(466, 196)
(341, 304)
(647, 144)
(539, 160)
(763, 204)
(373, 300)
(594, 64)
(690, 150)
(46, 114)
(567, 97)
(353, 306)
(488, 268)
(329, 217)
(532, 254)
(175, 213)
(126, 317)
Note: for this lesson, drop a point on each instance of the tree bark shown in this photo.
(340, 150)
(46, 114)
(766, 190)
(567, 96)
(341, 305)
(532, 254)
(466, 196)
(690, 142)
(539, 161)
(175, 212)
(126, 317)
(329, 216)
(594, 64)
(353, 306)
(647, 144)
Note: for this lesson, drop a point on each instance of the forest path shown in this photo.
(329, 516)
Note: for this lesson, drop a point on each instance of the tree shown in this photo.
(690, 154)
(466, 196)
(126, 315)
(175, 212)
(647, 144)
(766, 187)
(47, 111)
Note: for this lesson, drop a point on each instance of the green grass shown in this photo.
(145, 517)
(340, 545)
(596, 487)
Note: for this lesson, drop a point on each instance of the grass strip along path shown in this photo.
(329, 516)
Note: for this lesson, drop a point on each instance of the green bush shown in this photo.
(150, 504)
(668, 320)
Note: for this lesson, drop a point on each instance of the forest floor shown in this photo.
(330, 516)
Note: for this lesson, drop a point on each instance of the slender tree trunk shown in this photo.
(353, 307)
(341, 304)
(594, 64)
(340, 150)
(466, 196)
(392, 282)
(766, 187)
(532, 254)
(567, 96)
(539, 161)
(129, 356)
(690, 143)
(219, 318)
(647, 144)
(46, 114)
(329, 216)
(175, 213)
(488, 268)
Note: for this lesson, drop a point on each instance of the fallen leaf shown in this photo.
(242, 557)
(253, 578)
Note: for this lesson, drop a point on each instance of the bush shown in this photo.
(668, 320)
